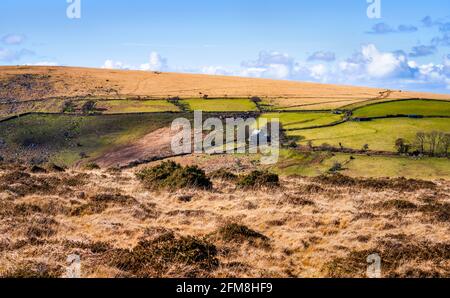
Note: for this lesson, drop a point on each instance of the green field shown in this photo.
(135, 106)
(290, 121)
(409, 107)
(220, 105)
(62, 138)
(313, 164)
(378, 134)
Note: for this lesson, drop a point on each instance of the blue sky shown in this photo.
(326, 41)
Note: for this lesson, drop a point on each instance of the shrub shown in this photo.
(256, 99)
(259, 179)
(54, 168)
(223, 174)
(337, 166)
(158, 173)
(88, 107)
(190, 176)
(173, 176)
(401, 146)
(68, 107)
(92, 166)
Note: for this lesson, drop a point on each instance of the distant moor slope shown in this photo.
(31, 83)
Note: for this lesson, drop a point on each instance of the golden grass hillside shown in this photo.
(30, 82)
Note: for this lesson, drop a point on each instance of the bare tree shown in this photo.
(420, 142)
(431, 139)
(446, 144)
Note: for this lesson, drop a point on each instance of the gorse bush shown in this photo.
(223, 174)
(92, 166)
(158, 173)
(259, 179)
(173, 176)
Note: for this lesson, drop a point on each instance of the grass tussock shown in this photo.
(170, 175)
(258, 179)
(91, 166)
(399, 184)
(21, 183)
(31, 269)
(397, 204)
(100, 202)
(240, 233)
(96, 247)
(436, 211)
(51, 167)
(394, 254)
(154, 258)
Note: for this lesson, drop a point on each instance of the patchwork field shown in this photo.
(311, 104)
(293, 163)
(379, 134)
(135, 106)
(67, 139)
(409, 107)
(219, 105)
(292, 121)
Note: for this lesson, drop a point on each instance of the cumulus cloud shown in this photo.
(395, 69)
(407, 28)
(384, 64)
(422, 50)
(9, 55)
(443, 40)
(111, 64)
(156, 63)
(322, 56)
(444, 29)
(368, 66)
(13, 39)
(43, 63)
(383, 28)
(270, 64)
(428, 21)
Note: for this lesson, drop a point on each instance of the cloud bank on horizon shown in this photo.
(369, 66)
(401, 52)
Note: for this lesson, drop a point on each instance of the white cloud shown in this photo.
(369, 66)
(13, 39)
(156, 63)
(43, 63)
(318, 71)
(270, 65)
(322, 56)
(383, 65)
(111, 64)
(9, 55)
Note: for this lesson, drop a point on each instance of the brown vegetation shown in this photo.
(29, 83)
(308, 227)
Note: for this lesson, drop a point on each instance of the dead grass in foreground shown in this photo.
(322, 227)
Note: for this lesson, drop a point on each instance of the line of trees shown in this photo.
(433, 143)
